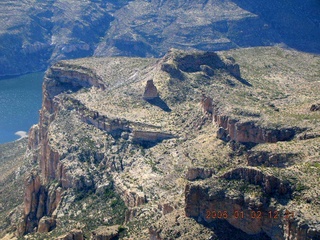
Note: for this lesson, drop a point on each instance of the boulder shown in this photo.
(46, 224)
(151, 91)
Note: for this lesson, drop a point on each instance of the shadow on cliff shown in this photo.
(225, 231)
(148, 144)
(159, 103)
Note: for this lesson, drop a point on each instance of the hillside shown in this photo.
(34, 35)
(13, 170)
(233, 131)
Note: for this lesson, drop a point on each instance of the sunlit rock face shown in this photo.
(150, 91)
(213, 139)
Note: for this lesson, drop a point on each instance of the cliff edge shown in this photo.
(218, 132)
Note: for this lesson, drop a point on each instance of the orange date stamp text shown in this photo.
(222, 214)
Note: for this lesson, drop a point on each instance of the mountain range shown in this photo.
(35, 34)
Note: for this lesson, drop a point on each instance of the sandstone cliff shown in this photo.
(233, 129)
(244, 206)
(105, 156)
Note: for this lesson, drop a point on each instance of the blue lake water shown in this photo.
(20, 102)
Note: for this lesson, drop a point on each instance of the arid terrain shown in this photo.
(194, 145)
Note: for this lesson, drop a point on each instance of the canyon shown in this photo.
(143, 148)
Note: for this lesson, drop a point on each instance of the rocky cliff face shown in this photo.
(244, 132)
(270, 184)
(39, 200)
(249, 132)
(63, 78)
(106, 156)
(57, 81)
(32, 203)
(230, 201)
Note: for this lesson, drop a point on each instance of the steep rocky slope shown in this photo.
(36, 34)
(14, 167)
(218, 133)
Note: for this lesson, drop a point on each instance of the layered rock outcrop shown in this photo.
(253, 214)
(132, 197)
(63, 78)
(206, 203)
(269, 183)
(33, 137)
(250, 132)
(116, 126)
(308, 135)
(244, 131)
(32, 186)
(178, 64)
(59, 79)
(31, 203)
(34, 204)
(147, 137)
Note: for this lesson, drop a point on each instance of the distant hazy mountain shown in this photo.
(34, 34)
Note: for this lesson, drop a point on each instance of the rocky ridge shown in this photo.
(90, 147)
